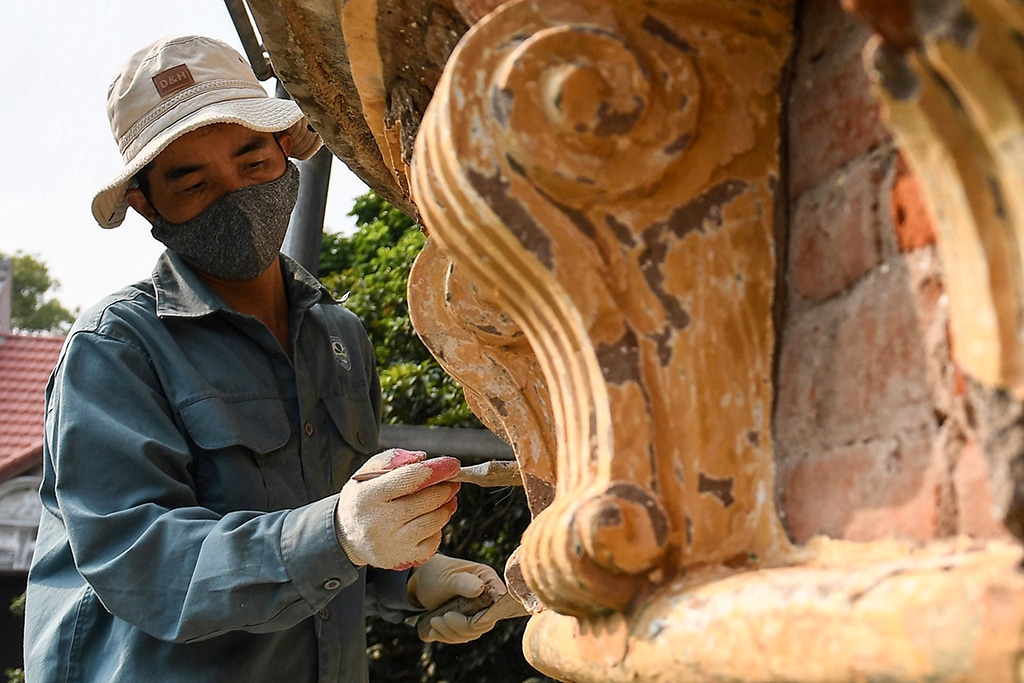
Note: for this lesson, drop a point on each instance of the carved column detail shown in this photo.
(950, 76)
(605, 176)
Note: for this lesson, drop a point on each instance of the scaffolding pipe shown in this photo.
(305, 230)
(253, 46)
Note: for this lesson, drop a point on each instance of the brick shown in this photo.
(975, 503)
(911, 215)
(867, 491)
(853, 368)
(833, 117)
(834, 239)
(875, 370)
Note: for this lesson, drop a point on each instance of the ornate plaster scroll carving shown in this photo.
(486, 351)
(482, 347)
(950, 76)
(605, 175)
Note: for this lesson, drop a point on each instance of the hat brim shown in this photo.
(261, 114)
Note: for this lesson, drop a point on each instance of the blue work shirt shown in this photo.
(188, 469)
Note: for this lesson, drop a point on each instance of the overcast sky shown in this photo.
(58, 59)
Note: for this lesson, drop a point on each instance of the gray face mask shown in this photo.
(239, 235)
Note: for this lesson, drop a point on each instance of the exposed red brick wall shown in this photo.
(872, 433)
(834, 234)
(832, 117)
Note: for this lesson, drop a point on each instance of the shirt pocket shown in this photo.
(243, 454)
(356, 436)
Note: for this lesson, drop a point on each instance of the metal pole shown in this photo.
(305, 230)
(250, 41)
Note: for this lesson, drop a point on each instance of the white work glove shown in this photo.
(394, 521)
(442, 578)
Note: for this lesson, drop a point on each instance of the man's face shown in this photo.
(200, 167)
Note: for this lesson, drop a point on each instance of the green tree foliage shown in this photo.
(369, 270)
(18, 609)
(30, 309)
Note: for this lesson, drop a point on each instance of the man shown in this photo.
(199, 520)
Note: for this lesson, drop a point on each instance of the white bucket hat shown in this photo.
(175, 86)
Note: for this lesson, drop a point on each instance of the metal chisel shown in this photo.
(490, 473)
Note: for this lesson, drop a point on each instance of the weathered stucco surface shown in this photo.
(613, 172)
(741, 285)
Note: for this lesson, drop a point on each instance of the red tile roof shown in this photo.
(25, 365)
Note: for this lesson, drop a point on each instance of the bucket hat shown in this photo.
(176, 85)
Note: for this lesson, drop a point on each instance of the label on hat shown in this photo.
(172, 80)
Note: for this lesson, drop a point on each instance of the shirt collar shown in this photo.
(181, 293)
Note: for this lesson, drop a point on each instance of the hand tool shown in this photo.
(490, 473)
(484, 607)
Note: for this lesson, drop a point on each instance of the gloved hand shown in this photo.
(394, 521)
(442, 578)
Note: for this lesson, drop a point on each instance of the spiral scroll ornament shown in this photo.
(577, 100)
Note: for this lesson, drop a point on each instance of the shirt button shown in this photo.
(324, 614)
(360, 438)
(309, 429)
(332, 584)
